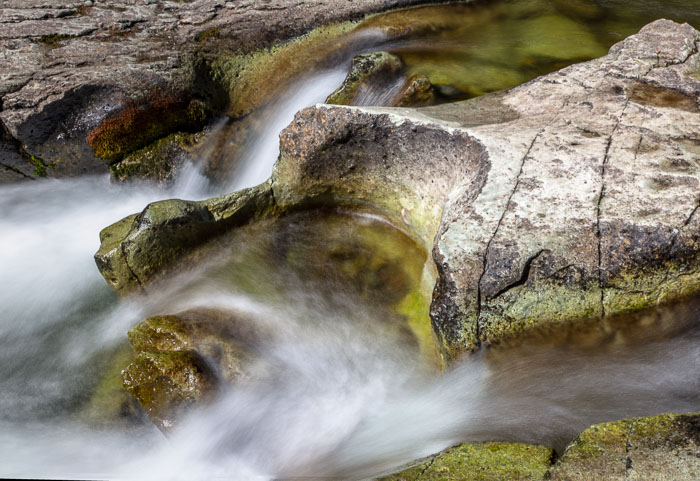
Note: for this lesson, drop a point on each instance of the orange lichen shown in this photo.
(141, 123)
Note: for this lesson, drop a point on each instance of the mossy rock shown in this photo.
(482, 462)
(168, 384)
(662, 447)
(375, 70)
(158, 162)
(224, 339)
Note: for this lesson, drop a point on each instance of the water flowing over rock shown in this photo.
(571, 197)
(81, 80)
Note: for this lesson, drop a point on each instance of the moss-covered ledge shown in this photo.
(662, 447)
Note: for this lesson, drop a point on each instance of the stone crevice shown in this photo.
(599, 204)
(427, 467)
(128, 266)
(498, 225)
(16, 171)
(524, 277)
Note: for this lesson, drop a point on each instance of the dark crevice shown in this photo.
(524, 276)
(598, 206)
(628, 460)
(498, 226)
(692, 214)
(126, 263)
(16, 171)
(427, 467)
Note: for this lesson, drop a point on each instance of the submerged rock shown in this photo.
(184, 359)
(572, 197)
(379, 78)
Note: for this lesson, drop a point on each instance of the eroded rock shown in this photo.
(572, 197)
(77, 81)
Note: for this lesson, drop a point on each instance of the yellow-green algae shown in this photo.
(155, 161)
(608, 451)
(482, 462)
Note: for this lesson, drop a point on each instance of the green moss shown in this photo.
(39, 165)
(155, 162)
(159, 334)
(605, 451)
(166, 384)
(483, 462)
(538, 306)
(252, 79)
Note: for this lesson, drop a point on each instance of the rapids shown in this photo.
(350, 398)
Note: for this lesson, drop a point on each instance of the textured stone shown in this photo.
(66, 67)
(661, 448)
(482, 462)
(572, 197)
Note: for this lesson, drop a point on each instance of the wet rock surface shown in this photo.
(662, 447)
(482, 462)
(68, 67)
(571, 197)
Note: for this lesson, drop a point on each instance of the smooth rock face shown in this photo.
(572, 197)
(68, 66)
(656, 448)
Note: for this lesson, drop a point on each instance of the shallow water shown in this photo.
(356, 389)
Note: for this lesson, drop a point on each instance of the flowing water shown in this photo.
(345, 378)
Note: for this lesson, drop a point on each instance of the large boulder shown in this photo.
(572, 197)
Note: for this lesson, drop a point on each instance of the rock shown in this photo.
(71, 71)
(663, 447)
(572, 197)
(158, 162)
(221, 338)
(379, 78)
(139, 249)
(482, 462)
(167, 384)
(370, 73)
(184, 359)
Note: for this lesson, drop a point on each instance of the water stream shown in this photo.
(346, 382)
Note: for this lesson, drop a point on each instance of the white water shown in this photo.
(346, 401)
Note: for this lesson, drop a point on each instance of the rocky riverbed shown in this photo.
(568, 203)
